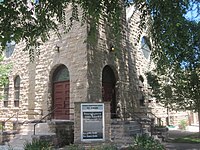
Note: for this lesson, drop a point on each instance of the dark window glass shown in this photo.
(61, 74)
(6, 93)
(145, 46)
(17, 91)
(10, 46)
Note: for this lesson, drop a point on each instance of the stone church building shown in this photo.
(66, 71)
(69, 70)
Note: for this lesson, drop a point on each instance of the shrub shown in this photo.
(106, 147)
(182, 125)
(102, 147)
(38, 145)
(74, 147)
(144, 142)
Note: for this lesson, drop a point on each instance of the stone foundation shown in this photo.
(64, 132)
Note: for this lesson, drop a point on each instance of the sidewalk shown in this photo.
(175, 133)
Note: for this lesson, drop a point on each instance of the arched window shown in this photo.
(145, 46)
(10, 46)
(16, 91)
(6, 93)
(61, 74)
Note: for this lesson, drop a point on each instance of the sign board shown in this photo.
(92, 121)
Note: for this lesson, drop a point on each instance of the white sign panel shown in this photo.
(92, 121)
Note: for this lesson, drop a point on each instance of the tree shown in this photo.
(32, 20)
(4, 71)
(175, 51)
(174, 38)
(178, 85)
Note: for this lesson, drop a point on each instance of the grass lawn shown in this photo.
(193, 138)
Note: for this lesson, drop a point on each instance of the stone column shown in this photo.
(31, 91)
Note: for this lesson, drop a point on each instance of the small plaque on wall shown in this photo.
(92, 121)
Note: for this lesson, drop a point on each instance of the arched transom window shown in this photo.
(61, 74)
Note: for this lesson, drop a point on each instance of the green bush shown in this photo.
(74, 147)
(145, 142)
(182, 125)
(38, 145)
(102, 147)
(106, 147)
(1, 126)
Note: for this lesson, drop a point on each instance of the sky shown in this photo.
(193, 15)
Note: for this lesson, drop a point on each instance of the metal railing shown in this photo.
(42, 119)
(34, 114)
(4, 122)
(139, 121)
(160, 122)
(151, 115)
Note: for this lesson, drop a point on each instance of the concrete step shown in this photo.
(26, 133)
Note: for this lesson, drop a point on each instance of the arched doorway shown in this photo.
(108, 89)
(61, 93)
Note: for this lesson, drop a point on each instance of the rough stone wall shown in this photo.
(142, 66)
(19, 61)
(85, 65)
(72, 53)
(36, 77)
(138, 61)
(119, 60)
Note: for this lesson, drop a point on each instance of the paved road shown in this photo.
(181, 146)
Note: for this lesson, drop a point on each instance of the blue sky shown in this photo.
(193, 14)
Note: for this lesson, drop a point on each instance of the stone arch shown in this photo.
(108, 89)
(60, 79)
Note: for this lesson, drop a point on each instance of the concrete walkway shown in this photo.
(175, 133)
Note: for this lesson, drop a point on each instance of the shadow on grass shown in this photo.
(193, 138)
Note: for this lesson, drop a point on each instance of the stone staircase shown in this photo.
(122, 132)
(141, 123)
(152, 125)
(26, 133)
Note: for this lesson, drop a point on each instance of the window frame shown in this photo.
(16, 91)
(145, 47)
(9, 49)
(6, 94)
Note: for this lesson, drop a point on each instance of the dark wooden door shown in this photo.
(108, 93)
(61, 100)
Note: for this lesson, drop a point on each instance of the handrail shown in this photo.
(151, 126)
(10, 118)
(156, 118)
(42, 119)
(138, 118)
(148, 112)
(41, 113)
(7, 121)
